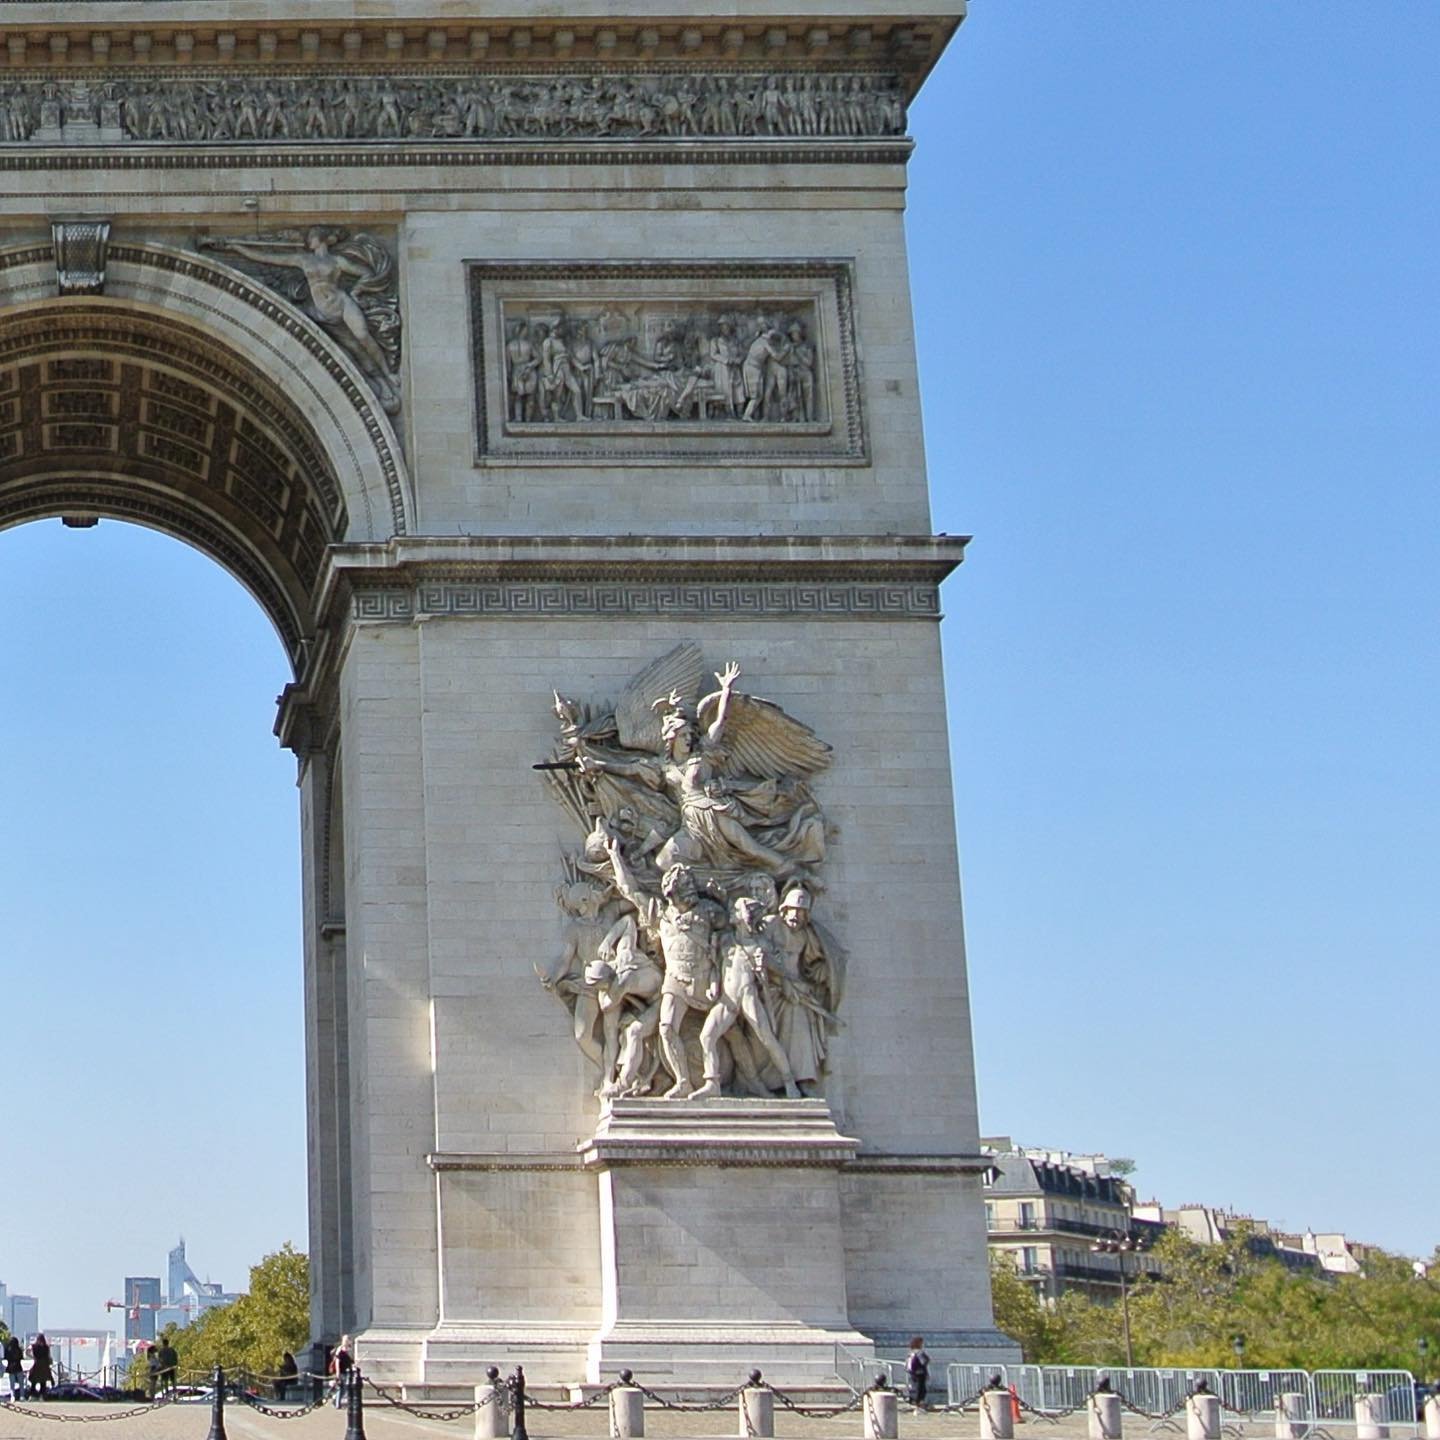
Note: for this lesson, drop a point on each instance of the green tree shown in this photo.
(1021, 1314)
(254, 1331)
(1207, 1295)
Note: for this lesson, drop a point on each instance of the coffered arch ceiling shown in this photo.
(110, 411)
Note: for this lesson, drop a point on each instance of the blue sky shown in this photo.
(1175, 277)
(1175, 281)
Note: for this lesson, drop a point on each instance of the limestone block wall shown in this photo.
(739, 1251)
(596, 215)
(463, 846)
(392, 1073)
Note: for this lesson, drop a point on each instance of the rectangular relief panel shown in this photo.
(666, 362)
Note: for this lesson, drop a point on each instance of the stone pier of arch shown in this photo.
(447, 560)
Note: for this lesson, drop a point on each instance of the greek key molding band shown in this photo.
(740, 599)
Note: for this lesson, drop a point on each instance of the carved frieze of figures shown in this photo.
(344, 281)
(693, 961)
(612, 362)
(217, 109)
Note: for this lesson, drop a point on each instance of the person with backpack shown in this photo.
(917, 1369)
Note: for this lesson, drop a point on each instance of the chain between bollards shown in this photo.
(217, 1406)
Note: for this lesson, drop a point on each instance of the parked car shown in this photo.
(1416, 1394)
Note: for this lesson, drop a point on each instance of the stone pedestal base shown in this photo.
(720, 1240)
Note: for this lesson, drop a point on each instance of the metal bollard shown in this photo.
(997, 1416)
(881, 1407)
(1202, 1416)
(1370, 1418)
(1290, 1410)
(627, 1409)
(1432, 1418)
(217, 1407)
(355, 1406)
(517, 1405)
(489, 1412)
(757, 1410)
(1104, 1421)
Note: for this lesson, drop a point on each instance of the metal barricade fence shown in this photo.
(1328, 1396)
(1333, 1392)
(1027, 1381)
(1063, 1387)
(1257, 1392)
(859, 1371)
(1158, 1391)
(964, 1381)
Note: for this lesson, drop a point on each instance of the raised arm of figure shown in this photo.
(290, 257)
(727, 678)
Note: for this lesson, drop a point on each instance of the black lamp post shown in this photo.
(1120, 1245)
(1238, 1345)
(1423, 1346)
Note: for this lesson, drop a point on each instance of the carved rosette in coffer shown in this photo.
(665, 361)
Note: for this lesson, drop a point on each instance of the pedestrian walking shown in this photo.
(15, 1367)
(917, 1368)
(41, 1375)
(289, 1371)
(152, 1370)
(342, 1362)
(169, 1365)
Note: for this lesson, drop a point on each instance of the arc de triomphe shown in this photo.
(549, 380)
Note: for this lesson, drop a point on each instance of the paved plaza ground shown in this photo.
(191, 1421)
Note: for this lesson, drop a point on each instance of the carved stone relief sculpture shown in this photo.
(661, 362)
(346, 282)
(692, 961)
(299, 109)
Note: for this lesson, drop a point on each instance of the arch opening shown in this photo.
(107, 412)
(155, 920)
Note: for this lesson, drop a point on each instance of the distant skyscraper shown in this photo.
(22, 1315)
(184, 1298)
(183, 1280)
(143, 1298)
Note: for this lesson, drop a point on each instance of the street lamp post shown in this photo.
(1120, 1245)
(1423, 1346)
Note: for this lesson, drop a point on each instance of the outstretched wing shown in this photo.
(636, 718)
(761, 739)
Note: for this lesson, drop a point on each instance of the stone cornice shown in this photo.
(501, 1160)
(406, 561)
(414, 579)
(144, 34)
(523, 577)
(942, 1165)
(414, 156)
(724, 1132)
